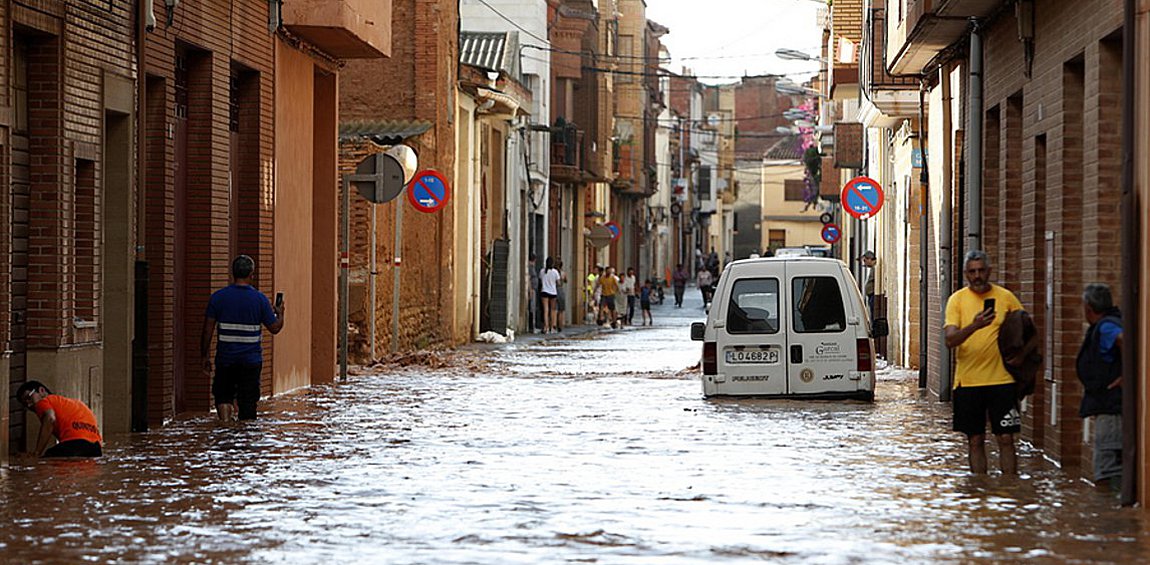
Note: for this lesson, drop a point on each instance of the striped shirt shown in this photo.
(239, 312)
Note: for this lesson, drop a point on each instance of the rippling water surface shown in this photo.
(591, 449)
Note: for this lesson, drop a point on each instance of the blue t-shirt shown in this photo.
(1108, 332)
(645, 294)
(239, 312)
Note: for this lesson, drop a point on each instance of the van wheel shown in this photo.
(866, 396)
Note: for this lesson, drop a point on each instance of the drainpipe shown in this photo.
(944, 234)
(923, 242)
(974, 140)
(1131, 270)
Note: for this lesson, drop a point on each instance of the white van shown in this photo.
(787, 326)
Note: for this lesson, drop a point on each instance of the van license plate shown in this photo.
(767, 356)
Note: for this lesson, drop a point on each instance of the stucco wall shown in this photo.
(295, 95)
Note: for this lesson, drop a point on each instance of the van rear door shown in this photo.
(751, 356)
(821, 329)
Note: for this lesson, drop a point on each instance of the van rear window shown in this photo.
(754, 307)
(818, 305)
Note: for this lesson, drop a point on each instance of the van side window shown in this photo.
(818, 305)
(754, 307)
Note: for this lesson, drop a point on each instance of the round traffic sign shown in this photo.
(615, 231)
(862, 197)
(428, 191)
(831, 233)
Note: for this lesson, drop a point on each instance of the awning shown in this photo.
(383, 132)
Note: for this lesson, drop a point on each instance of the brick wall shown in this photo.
(416, 83)
(213, 36)
(1065, 153)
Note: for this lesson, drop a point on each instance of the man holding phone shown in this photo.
(238, 311)
(983, 389)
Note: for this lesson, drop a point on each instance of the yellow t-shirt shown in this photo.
(979, 362)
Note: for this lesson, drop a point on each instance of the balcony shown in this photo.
(344, 29)
(567, 165)
(886, 98)
(626, 167)
(927, 28)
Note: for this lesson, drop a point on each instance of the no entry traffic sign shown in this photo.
(862, 197)
(428, 191)
(615, 231)
(831, 233)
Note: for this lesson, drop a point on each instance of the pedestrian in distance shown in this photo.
(982, 386)
(237, 312)
(679, 281)
(560, 296)
(704, 280)
(533, 298)
(549, 290)
(1099, 367)
(592, 293)
(645, 302)
(869, 261)
(69, 421)
(609, 289)
(629, 287)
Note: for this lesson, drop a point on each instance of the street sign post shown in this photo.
(429, 191)
(862, 197)
(831, 233)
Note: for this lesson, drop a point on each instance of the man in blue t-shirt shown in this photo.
(238, 311)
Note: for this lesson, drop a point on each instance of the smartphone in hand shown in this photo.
(988, 304)
(279, 299)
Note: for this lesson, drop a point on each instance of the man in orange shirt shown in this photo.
(69, 420)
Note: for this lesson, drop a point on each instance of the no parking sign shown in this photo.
(862, 197)
(831, 233)
(428, 191)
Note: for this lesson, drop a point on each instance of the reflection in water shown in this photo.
(574, 450)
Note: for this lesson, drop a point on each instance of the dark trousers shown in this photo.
(679, 294)
(75, 448)
(241, 384)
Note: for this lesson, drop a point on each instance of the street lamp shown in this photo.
(796, 55)
(792, 89)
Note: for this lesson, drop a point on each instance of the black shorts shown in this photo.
(75, 448)
(609, 302)
(973, 405)
(239, 384)
(546, 294)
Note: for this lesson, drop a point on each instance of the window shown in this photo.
(776, 239)
(818, 305)
(754, 307)
(793, 190)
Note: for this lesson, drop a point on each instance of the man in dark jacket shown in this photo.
(1100, 370)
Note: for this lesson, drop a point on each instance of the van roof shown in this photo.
(795, 259)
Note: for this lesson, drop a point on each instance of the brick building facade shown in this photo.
(1051, 174)
(416, 85)
(66, 112)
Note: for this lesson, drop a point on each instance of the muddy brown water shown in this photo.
(595, 449)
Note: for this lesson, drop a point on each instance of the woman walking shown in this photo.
(549, 290)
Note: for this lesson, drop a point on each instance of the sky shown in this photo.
(733, 38)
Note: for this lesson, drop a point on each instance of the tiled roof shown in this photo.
(788, 148)
(384, 132)
(492, 51)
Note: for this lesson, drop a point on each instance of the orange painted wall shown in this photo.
(294, 168)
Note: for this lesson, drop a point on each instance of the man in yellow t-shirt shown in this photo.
(982, 387)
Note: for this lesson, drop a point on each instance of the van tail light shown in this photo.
(710, 358)
(865, 357)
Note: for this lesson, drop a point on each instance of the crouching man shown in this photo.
(70, 421)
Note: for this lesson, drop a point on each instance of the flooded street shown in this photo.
(596, 448)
